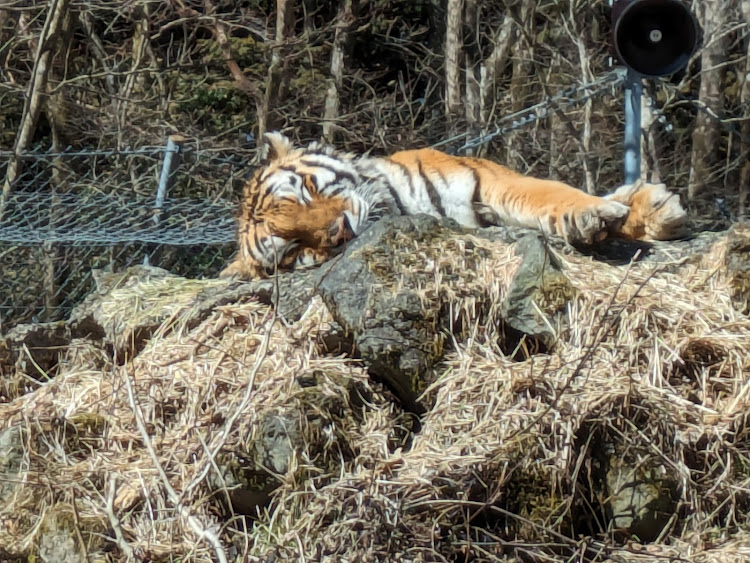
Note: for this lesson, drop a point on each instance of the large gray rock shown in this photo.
(539, 291)
(396, 286)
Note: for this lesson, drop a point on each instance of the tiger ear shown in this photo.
(275, 146)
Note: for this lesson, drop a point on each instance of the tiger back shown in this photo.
(305, 203)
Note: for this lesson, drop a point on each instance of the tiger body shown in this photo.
(304, 203)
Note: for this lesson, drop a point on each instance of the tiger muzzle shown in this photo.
(340, 232)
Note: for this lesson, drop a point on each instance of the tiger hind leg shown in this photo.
(655, 212)
(583, 223)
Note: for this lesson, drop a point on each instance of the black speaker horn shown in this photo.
(654, 37)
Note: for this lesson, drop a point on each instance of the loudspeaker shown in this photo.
(654, 37)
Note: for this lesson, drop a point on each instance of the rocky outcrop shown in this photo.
(403, 287)
(432, 389)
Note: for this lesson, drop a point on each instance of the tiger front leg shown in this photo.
(243, 270)
(582, 223)
(588, 223)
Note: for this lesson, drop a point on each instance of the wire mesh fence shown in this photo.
(71, 212)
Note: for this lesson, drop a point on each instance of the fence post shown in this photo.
(173, 146)
(633, 93)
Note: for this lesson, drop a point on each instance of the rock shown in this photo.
(640, 495)
(538, 292)
(397, 287)
(737, 264)
(379, 291)
(252, 477)
(124, 312)
(129, 306)
(56, 538)
(11, 461)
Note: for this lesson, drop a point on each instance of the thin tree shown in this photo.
(35, 92)
(278, 75)
(706, 133)
(453, 47)
(745, 103)
(344, 20)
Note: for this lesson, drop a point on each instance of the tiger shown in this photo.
(303, 204)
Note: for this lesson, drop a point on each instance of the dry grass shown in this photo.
(510, 462)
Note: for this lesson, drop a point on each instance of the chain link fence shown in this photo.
(71, 212)
(74, 211)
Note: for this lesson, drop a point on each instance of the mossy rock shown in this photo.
(737, 263)
(399, 285)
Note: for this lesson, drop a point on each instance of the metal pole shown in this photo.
(633, 94)
(166, 170)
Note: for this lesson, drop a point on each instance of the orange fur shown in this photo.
(306, 202)
(310, 225)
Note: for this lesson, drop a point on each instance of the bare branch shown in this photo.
(35, 91)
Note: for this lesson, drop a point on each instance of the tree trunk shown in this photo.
(523, 58)
(745, 103)
(557, 131)
(706, 133)
(344, 21)
(35, 93)
(276, 83)
(471, 64)
(248, 87)
(649, 155)
(453, 47)
(493, 65)
(586, 77)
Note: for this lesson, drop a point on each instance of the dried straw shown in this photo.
(509, 462)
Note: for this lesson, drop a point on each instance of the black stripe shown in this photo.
(335, 191)
(251, 194)
(339, 177)
(476, 196)
(396, 199)
(392, 190)
(340, 174)
(405, 170)
(257, 247)
(431, 190)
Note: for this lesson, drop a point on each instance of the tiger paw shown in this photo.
(592, 223)
(655, 212)
(240, 270)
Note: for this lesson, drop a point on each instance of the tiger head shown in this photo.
(301, 206)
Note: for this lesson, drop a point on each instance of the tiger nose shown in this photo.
(341, 231)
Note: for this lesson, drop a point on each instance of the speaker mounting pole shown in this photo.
(652, 38)
(633, 94)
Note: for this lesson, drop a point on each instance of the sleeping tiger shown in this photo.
(304, 203)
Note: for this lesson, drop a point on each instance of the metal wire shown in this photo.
(567, 98)
(31, 219)
(72, 211)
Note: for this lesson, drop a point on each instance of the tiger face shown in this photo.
(298, 209)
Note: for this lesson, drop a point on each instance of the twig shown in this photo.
(36, 89)
(124, 546)
(201, 530)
